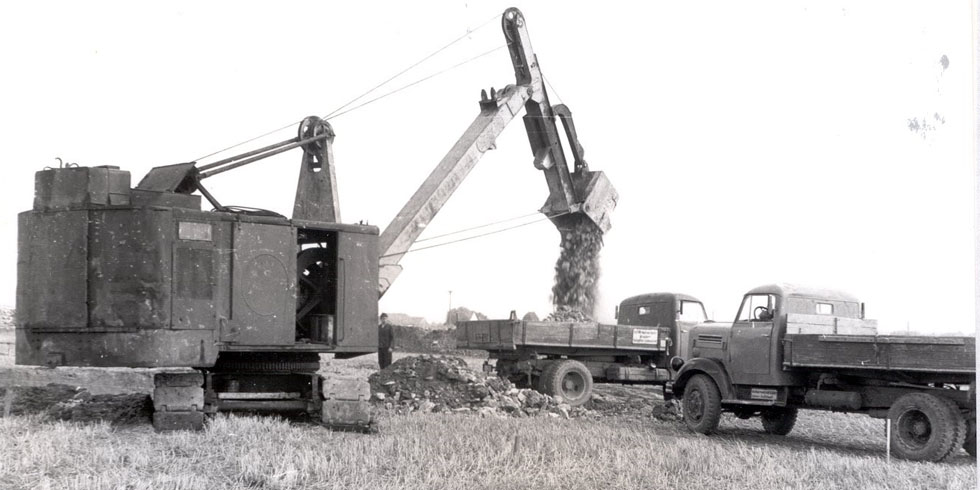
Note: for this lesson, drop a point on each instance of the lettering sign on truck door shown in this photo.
(751, 338)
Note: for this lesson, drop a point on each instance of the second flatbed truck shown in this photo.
(564, 358)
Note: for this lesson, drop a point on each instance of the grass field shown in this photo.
(462, 451)
(624, 450)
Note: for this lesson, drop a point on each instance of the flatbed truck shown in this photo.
(564, 359)
(793, 348)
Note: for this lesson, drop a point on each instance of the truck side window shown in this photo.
(825, 309)
(757, 307)
(643, 310)
(691, 311)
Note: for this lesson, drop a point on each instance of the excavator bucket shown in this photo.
(594, 197)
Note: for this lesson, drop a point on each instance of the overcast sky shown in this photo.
(750, 142)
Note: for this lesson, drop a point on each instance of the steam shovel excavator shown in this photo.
(246, 300)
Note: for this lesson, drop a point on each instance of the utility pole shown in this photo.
(449, 312)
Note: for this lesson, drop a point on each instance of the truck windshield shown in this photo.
(691, 311)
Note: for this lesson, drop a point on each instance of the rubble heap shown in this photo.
(577, 269)
(63, 402)
(429, 383)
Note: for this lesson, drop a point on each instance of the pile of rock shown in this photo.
(64, 402)
(429, 383)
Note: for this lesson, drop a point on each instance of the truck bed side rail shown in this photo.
(911, 354)
(509, 335)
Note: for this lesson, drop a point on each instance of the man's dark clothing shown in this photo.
(385, 344)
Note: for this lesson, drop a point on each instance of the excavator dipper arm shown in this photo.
(570, 193)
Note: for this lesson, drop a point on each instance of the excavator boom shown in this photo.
(580, 192)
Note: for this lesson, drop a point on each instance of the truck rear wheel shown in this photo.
(702, 404)
(569, 379)
(925, 427)
(970, 444)
(779, 421)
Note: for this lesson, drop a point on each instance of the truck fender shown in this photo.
(700, 365)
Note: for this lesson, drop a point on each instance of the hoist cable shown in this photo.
(287, 126)
(423, 60)
(552, 87)
(476, 227)
(467, 238)
(457, 65)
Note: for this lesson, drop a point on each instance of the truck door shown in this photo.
(751, 339)
(689, 314)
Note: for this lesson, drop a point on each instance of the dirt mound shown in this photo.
(438, 384)
(577, 269)
(638, 401)
(64, 402)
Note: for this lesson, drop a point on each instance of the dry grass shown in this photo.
(463, 451)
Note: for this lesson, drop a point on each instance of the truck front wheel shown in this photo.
(779, 421)
(567, 379)
(925, 428)
(702, 404)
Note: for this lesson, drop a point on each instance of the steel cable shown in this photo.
(476, 236)
(457, 65)
(402, 72)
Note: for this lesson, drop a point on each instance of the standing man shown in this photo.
(386, 342)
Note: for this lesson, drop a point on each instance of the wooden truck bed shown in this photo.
(509, 335)
(881, 352)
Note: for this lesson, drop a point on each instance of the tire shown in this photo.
(779, 421)
(567, 379)
(546, 373)
(962, 426)
(925, 427)
(702, 404)
(970, 443)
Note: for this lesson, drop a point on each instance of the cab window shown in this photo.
(691, 311)
(757, 308)
(825, 309)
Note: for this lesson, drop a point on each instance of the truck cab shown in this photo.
(750, 346)
(676, 311)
